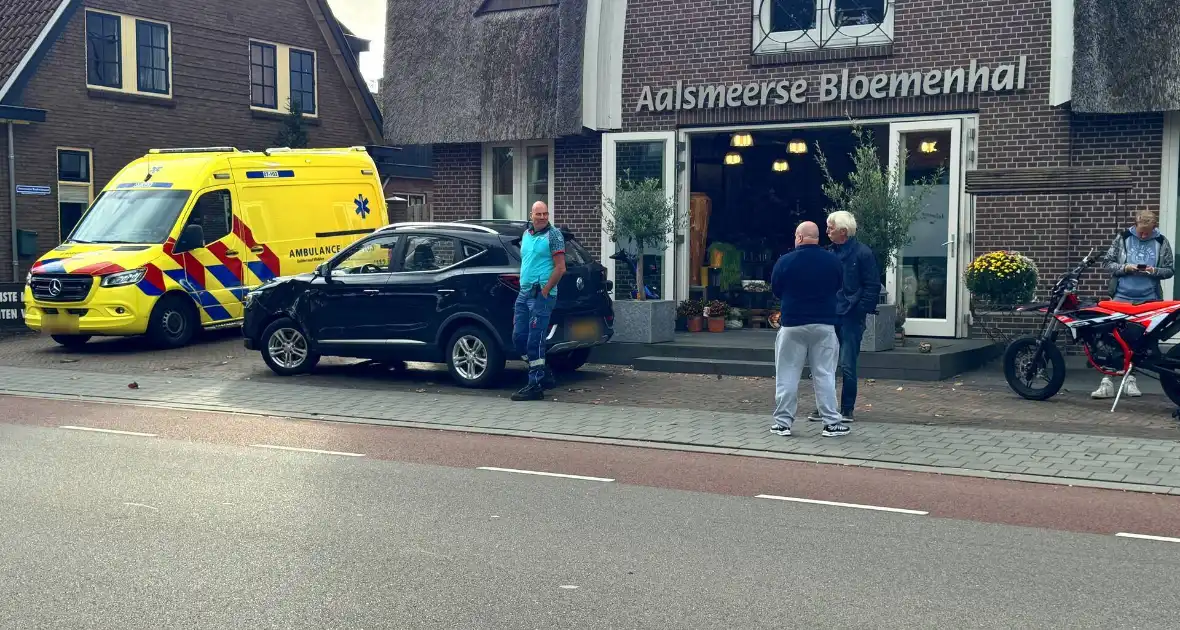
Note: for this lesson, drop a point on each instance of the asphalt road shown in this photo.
(195, 523)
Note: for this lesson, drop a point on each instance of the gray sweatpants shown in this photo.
(795, 347)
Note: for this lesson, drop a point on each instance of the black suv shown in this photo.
(431, 292)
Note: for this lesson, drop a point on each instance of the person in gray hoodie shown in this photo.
(1142, 244)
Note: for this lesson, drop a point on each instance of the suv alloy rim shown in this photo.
(287, 347)
(470, 357)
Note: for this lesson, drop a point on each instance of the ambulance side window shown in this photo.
(214, 213)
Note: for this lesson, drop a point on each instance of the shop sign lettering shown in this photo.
(841, 86)
(12, 312)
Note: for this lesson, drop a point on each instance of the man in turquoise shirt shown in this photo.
(542, 263)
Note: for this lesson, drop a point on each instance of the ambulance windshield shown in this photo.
(130, 216)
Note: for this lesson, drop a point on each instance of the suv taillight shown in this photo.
(511, 280)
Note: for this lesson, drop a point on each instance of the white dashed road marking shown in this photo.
(545, 474)
(307, 450)
(73, 428)
(877, 508)
(1147, 537)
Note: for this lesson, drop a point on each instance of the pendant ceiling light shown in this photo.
(733, 158)
(797, 147)
(928, 146)
(741, 140)
(781, 166)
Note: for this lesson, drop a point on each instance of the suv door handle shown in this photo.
(372, 291)
(446, 290)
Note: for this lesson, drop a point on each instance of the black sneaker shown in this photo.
(779, 429)
(836, 430)
(814, 416)
(847, 417)
(529, 392)
(548, 381)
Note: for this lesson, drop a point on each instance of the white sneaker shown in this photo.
(1105, 389)
(1132, 388)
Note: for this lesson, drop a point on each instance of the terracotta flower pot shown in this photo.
(716, 324)
(695, 324)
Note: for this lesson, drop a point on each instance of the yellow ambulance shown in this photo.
(176, 240)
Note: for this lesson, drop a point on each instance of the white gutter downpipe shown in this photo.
(12, 203)
(1061, 61)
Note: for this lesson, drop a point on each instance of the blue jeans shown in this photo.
(850, 332)
(529, 325)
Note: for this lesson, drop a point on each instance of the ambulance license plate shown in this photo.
(60, 324)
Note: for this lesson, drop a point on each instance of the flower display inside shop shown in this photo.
(1002, 278)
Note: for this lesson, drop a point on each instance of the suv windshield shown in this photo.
(130, 216)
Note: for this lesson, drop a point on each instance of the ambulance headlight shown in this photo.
(123, 278)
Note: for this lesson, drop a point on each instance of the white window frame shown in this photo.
(765, 43)
(283, 77)
(129, 55)
(519, 176)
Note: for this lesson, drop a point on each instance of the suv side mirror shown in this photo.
(324, 270)
(192, 237)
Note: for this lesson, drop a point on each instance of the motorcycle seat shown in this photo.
(1135, 309)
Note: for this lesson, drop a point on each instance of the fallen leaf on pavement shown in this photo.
(420, 391)
(69, 360)
(900, 388)
(132, 385)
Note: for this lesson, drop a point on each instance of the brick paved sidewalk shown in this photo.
(1129, 463)
(980, 399)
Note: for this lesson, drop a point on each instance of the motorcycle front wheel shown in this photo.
(1048, 374)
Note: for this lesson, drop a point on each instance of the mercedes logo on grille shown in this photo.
(54, 287)
(581, 284)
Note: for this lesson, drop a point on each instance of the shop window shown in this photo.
(268, 61)
(516, 176)
(782, 26)
(75, 188)
(128, 54)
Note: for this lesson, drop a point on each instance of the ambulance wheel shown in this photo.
(71, 341)
(285, 349)
(174, 321)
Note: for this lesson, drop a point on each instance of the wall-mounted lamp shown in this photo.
(928, 146)
(741, 140)
(733, 158)
(781, 166)
(797, 147)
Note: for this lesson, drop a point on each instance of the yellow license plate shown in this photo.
(60, 324)
(585, 330)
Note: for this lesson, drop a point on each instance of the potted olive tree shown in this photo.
(884, 214)
(639, 217)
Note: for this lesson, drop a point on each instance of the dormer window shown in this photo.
(491, 6)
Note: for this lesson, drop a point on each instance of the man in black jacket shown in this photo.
(807, 280)
(857, 298)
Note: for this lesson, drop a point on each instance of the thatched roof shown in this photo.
(1126, 56)
(451, 76)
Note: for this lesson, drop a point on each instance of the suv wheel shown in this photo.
(474, 359)
(567, 362)
(285, 349)
(173, 322)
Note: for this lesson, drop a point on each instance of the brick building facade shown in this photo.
(742, 48)
(111, 79)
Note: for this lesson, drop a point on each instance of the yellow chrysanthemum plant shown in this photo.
(1002, 278)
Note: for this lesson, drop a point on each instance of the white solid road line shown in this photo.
(1147, 537)
(73, 428)
(545, 474)
(877, 508)
(307, 450)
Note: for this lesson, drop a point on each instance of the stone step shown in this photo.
(691, 365)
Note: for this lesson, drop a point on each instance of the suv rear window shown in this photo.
(575, 254)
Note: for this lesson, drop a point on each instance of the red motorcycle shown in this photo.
(1118, 338)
